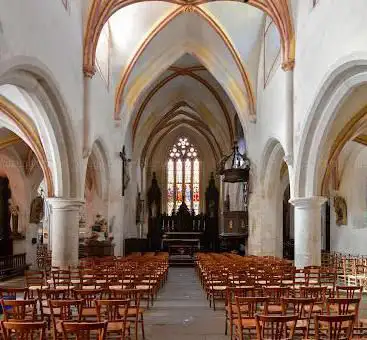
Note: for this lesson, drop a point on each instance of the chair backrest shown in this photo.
(84, 330)
(88, 296)
(112, 310)
(65, 310)
(12, 293)
(132, 294)
(349, 291)
(344, 305)
(275, 327)
(334, 327)
(19, 309)
(247, 307)
(317, 293)
(24, 330)
(276, 293)
(34, 278)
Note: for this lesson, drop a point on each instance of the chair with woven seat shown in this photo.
(84, 330)
(64, 310)
(24, 330)
(275, 327)
(319, 296)
(231, 307)
(19, 310)
(89, 296)
(334, 327)
(302, 307)
(216, 287)
(275, 295)
(135, 313)
(35, 280)
(247, 307)
(115, 313)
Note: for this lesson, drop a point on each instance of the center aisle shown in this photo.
(181, 311)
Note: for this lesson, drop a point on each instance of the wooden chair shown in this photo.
(319, 296)
(302, 307)
(247, 307)
(350, 292)
(24, 330)
(115, 312)
(231, 308)
(89, 297)
(216, 287)
(135, 313)
(19, 310)
(84, 330)
(275, 295)
(45, 295)
(35, 280)
(334, 327)
(64, 310)
(275, 327)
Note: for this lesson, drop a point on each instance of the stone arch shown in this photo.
(97, 178)
(51, 121)
(273, 182)
(346, 75)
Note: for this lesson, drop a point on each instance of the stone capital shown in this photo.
(288, 65)
(308, 202)
(67, 204)
(89, 71)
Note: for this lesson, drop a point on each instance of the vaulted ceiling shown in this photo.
(183, 63)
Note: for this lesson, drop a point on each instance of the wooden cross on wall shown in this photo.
(125, 172)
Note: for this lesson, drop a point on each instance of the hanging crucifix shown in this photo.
(125, 170)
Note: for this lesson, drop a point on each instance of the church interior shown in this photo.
(186, 167)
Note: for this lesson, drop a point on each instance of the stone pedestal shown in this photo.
(65, 231)
(307, 230)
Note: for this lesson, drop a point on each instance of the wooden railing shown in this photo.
(12, 265)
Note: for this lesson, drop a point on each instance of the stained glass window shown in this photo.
(183, 176)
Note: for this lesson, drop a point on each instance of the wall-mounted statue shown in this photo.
(37, 212)
(341, 212)
(14, 218)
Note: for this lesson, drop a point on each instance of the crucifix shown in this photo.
(125, 172)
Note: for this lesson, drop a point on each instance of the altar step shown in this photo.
(181, 261)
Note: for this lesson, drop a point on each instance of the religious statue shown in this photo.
(125, 170)
(139, 209)
(14, 218)
(100, 224)
(341, 212)
(37, 212)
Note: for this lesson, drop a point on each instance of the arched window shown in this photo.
(183, 176)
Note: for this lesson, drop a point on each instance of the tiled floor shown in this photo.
(181, 311)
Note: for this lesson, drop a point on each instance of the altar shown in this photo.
(181, 239)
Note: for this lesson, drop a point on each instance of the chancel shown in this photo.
(190, 153)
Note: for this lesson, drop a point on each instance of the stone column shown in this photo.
(289, 103)
(307, 230)
(65, 231)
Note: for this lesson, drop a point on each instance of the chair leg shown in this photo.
(226, 325)
(142, 326)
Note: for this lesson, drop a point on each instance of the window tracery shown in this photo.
(183, 176)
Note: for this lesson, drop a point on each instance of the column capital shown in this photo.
(308, 202)
(61, 203)
(288, 65)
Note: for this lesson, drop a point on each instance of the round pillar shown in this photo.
(307, 230)
(65, 231)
